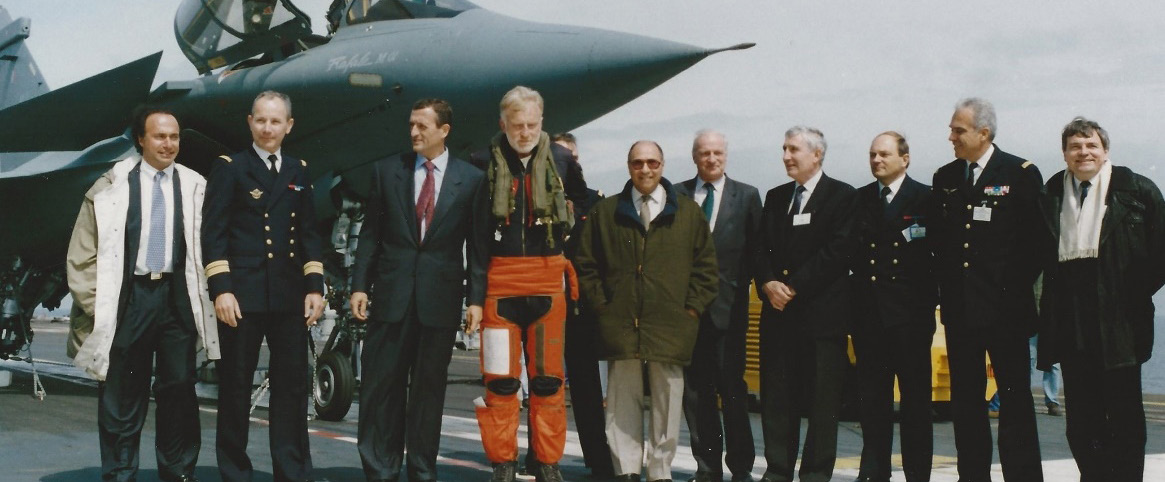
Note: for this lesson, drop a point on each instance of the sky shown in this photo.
(852, 69)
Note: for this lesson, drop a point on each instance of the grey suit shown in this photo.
(417, 290)
(717, 366)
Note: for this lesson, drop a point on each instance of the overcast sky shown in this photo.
(852, 68)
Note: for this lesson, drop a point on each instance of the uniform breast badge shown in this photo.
(256, 193)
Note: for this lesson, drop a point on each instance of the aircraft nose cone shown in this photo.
(582, 73)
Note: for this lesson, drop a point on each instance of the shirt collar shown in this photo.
(894, 185)
(439, 162)
(657, 195)
(718, 184)
(148, 171)
(811, 184)
(265, 154)
(982, 161)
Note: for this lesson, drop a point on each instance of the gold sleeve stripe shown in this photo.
(313, 267)
(1026, 164)
(301, 161)
(218, 267)
(226, 158)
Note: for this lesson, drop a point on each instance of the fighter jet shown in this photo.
(352, 92)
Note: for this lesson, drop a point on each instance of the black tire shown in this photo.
(334, 386)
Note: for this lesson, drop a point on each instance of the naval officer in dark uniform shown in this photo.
(265, 275)
(894, 295)
(985, 232)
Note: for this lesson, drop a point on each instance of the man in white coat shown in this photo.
(135, 269)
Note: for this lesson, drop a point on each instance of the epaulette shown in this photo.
(301, 161)
(600, 193)
(1026, 164)
(226, 158)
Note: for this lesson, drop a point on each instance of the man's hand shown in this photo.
(359, 302)
(227, 309)
(313, 307)
(779, 294)
(693, 313)
(472, 319)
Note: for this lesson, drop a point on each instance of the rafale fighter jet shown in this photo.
(352, 94)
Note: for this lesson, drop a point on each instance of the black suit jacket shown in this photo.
(812, 258)
(986, 269)
(259, 234)
(892, 273)
(399, 268)
(735, 235)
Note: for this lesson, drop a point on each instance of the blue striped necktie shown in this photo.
(709, 201)
(156, 249)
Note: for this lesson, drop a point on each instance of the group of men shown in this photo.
(654, 279)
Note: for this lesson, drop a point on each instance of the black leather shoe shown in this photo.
(627, 478)
(742, 478)
(662, 480)
(706, 478)
(187, 478)
(504, 472)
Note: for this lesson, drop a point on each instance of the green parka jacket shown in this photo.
(641, 283)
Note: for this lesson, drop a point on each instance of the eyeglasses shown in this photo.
(637, 164)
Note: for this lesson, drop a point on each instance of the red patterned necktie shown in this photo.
(425, 201)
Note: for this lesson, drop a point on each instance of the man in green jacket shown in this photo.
(647, 265)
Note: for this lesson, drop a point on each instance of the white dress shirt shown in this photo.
(894, 186)
(656, 200)
(264, 155)
(810, 186)
(702, 192)
(147, 185)
(419, 173)
(982, 161)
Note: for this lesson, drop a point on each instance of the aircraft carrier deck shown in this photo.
(56, 439)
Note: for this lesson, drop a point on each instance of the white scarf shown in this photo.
(1080, 225)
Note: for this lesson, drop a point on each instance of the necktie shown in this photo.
(709, 201)
(425, 200)
(796, 209)
(273, 159)
(156, 249)
(1084, 186)
(886, 195)
(645, 211)
(971, 175)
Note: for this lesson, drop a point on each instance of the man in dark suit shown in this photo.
(266, 276)
(418, 219)
(733, 211)
(894, 296)
(983, 231)
(802, 262)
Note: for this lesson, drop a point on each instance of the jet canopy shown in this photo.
(217, 33)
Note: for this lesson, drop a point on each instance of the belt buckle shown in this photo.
(155, 276)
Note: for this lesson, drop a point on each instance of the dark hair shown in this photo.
(903, 147)
(1081, 127)
(656, 144)
(140, 115)
(442, 108)
(564, 137)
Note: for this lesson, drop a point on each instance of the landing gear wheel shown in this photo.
(335, 384)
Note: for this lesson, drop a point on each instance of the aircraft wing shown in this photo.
(96, 109)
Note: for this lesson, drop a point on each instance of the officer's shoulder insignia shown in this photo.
(226, 158)
(256, 193)
(303, 162)
(1026, 164)
(600, 193)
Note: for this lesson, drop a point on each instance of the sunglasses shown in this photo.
(638, 164)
